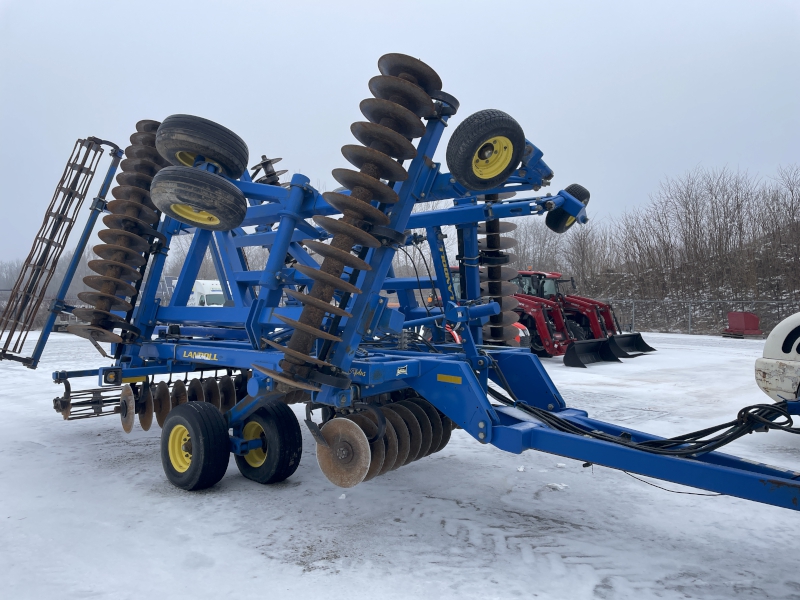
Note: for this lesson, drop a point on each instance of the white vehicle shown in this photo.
(778, 372)
(206, 292)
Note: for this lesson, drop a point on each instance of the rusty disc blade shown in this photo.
(109, 285)
(139, 165)
(211, 391)
(115, 253)
(353, 207)
(134, 209)
(414, 430)
(111, 302)
(386, 139)
(396, 64)
(92, 332)
(120, 237)
(343, 257)
(338, 226)
(388, 169)
(493, 289)
(132, 225)
(161, 402)
(317, 303)
(147, 152)
(179, 395)
(353, 179)
(501, 227)
(327, 279)
(308, 329)
(498, 274)
(424, 424)
(389, 442)
(413, 97)
(285, 378)
(447, 431)
(138, 180)
(146, 411)
(194, 392)
(377, 449)
(127, 405)
(143, 138)
(345, 462)
(435, 420)
(402, 120)
(296, 354)
(117, 270)
(148, 125)
(401, 434)
(96, 316)
(499, 243)
(227, 394)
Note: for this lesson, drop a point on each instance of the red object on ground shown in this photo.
(743, 323)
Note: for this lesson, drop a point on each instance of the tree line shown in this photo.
(708, 234)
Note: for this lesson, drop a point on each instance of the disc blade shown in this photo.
(195, 391)
(178, 395)
(414, 430)
(127, 406)
(377, 449)
(435, 420)
(227, 394)
(346, 460)
(161, 402)
(425, 427)
(211, 391)
(401, 433)
(146, 412)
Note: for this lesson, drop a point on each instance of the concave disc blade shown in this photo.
(346, 460)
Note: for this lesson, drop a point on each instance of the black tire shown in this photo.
(559, 220)
(198, 198)
(180, 138)
(475, 135)
(210, 446)
(282, 445)
(575, 330)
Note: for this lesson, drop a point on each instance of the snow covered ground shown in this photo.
(85, 510)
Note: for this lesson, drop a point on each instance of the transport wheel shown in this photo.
(559, 220)
(182, 138)
(194, 446)
(485, 149)
(198, 198)
(281, 444)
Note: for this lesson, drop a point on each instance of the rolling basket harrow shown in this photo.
(377, 394)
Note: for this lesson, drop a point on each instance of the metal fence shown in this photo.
(696, 316)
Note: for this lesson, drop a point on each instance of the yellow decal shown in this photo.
(133, 379)
(358, 372)
(199, 355)
(449, 379)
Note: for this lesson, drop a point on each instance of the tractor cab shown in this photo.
(541, 284)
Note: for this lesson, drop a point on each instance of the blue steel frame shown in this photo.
(454, 379)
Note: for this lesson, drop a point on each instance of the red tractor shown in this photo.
(584, 330)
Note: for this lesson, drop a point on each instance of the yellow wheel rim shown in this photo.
(257, 456)
(186, 212)
(180, 448)
(492, 157)
(570, 221)
(188, 158)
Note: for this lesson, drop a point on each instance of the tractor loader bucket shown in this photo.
(585, 352)
(629, 345)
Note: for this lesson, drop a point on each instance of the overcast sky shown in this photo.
(618, 95)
